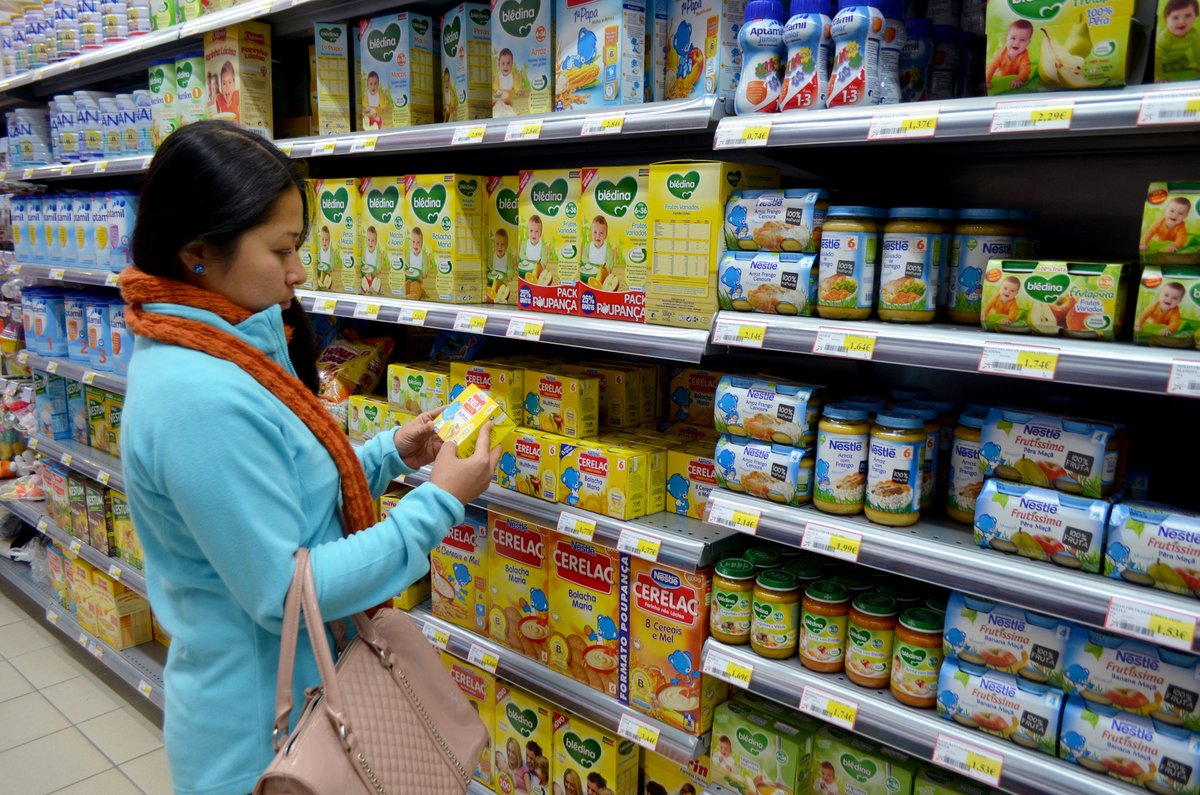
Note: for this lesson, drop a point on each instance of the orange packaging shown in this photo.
(586, 641)
(519, 578)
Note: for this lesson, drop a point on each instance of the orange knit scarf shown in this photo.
(139, 288)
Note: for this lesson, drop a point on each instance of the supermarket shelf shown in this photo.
(971, 119)
(589, 704)
(942, 552)
(685, 543)
(73, 370)
(882, 718)
(112, 166)
(31, 513)
(50, 273)
(141, 667)
(475, 788)
(1113, 365)
(97, 465)
(675, 344)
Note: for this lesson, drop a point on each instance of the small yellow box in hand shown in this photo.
(466, 414)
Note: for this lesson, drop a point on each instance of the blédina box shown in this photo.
(1168, 307)
(500, 246)
(443, 216)
(524, 732)
(599, 53)
(687, 241)
(548, 258)
(703, 55)
(844, 762)
(336, 231)
(589, 641)
(479, 688)
(237, 58)
(1176, 42)
(466, 66)
(381, 227)
(332, 66)
(1085, 300)
(518, 580)
(1171, 224)
(592, 756)
(521, 53)
(614, 233)
(395, 64)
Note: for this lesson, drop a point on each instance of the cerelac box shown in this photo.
(500, 245)
(524, 732)
(521, 53)
(459, 570)
(238, 58)
(687, 216)
(479, 687)
(381, 228)
(518, 581)
(337, 233)
(548, 257)
(594, 757)
(529, 463)
(613, 234)
(589, 642)
(395, 64)
(443, 214)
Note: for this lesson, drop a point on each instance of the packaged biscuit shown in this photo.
(503, 382)
(58, 577)
(336, 233)
(443, 217)
(459, 568)
(524, 740)
(1047, 451)
(518, 581)
(81, 594)
(750, 746)
(693, 393)
(381, 227)
(1000, 704)
(767, 410)
(599, 54)
(773, 472)
(522, 58)
(548, 257)
(1156, 545)
(1085, 300)
(588, 641)
(562, 404)
(1006, 638)
(775, 220)
(530, 463)
(77, 411)
(1041, 524)
(395, 71)
(366, 417)
(466, 415)
(93, 398)
(502, 227)
(843, 762)
(604, 479)
(54, 479)
(620, 402)
(414, 388)
(479, 688)
(1168, 307)
(1171, 224)
(660, 775)
(691, 477)
(614, 232)
(777, 284)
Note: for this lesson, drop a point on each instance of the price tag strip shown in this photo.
(1022, 361)
(483, 658)
(603, 125)
(1032, 116)
(112, 280)
(732, 671)
(576, 526)
(638, 544)
(829, 708)
(366, 144)
(75, 547)
(438, 637)
(642, 733)
(520, 329)
(468, 135)
(470, 321)
(523, 131)
(970, 760)
(743, 520)
(52, 616)
(325, 306)
(413, 317)
(114, 571)
(744, 335)
(1170, 107)
(889, 126)
(323, 148)
(366, 311)
(823, 540)
(1151, 622)
(847, 344)
(1184, 379)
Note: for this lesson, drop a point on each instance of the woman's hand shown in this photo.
(416, 442)
(467, 478)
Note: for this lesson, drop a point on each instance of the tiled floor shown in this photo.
(65, 725)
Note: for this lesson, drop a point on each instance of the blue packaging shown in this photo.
(122, 214)
(99, 332)
(37, 236)
(75, 315)
(50, 230)
(121, 338)
(99, 228)
(85, 232)
(77, 412)
(64, 225)
(50, 397)
(18, 209)
(47, 332)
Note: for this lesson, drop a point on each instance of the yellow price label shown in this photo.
(365, 144)
(845, 544)
(751, 334)
(483, 658)
(523, 131)
(737, 673)
(648, 547)
(27, 173)
(51, 616)
(100, 167)
(985, 765)
(757, 134)
(746, 519)
(419, 315)
(144, 688)
(647, 736)
(843, 712)
(57, 274)
(104, 477)
(1050, 115)
(1174, 628)
(43, 524)
(33, 444)
(438, 637)
(467, 321)
(52, 367)
(114, 571)
(89, 378)
(475, 133)
(859, 343)
(76, 545)
(1042, 361)
(531, 130)
(286, 149)
(612, 123)
(1192, 107)
(68, 169)
(324, 147)
(67, 458)
(925, 123)
(634, 729)
(326, 306)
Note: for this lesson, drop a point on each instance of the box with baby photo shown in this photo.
(1176, 41)
(1168, 308)
(1171, 224)
(395, 65)
(381, 236)
(237, 63)
(613, 234)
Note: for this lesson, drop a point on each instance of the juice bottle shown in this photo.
(857, 31)
(915, 60)
(806, 70)
(761, 40)
(889, 53)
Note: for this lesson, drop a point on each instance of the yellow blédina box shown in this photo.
(687, 213)
(518, 581)
(604, 479)
(562, 404)
(587, 642)
(462, 420)
(613, 235)
(505, 383)
(443, 216)
(522, 57)
(530, 464)
(479, 687)
(503, 234)
(336, 231)
(548, 258)
(366, 417)
(381, 229)
(458, 569)
(395, 71)
(588, 757)
(414, 388)
(238, 58)
(331, 68)
(524, 732)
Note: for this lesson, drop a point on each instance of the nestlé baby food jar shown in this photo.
(872, 404)
(933, 439)
(849, 253)
(966, 480)
(732, 597)
(981, 235)
(824, 614)
(894, 469)
(870, 637)
(843, 437)
(917, 658)
(947, 417)
(775, 616)
(910, 265)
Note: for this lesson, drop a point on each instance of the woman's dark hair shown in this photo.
(211, 182)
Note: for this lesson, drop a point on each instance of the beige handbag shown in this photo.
(388, 719)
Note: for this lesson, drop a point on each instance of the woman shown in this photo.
(231, 462)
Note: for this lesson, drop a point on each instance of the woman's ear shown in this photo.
(197, 258)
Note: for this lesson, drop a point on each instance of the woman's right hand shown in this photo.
(466, 478)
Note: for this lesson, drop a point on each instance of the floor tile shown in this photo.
(122, 734)
(110, 782)
(48, 666)
(27, 718)
(22, 637)
(10, 612)
(12, 684)
(82, 698)
(150, 772)
(51, 763)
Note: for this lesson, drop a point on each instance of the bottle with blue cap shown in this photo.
(857, 32)
(761, 40)
(916, 59)
(889, 52)
(806, 70)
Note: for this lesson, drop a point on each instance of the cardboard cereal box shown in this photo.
(466, 73)
(656, 469)
(99, 517)
(366, 417)
(530, 463)
(505, 383)
(614, 231)
(600, 48)
(381, 229)
(55, 560)
(77, 507)
(237, 58)
(465, 416)
(518, 581)
(687, 241)
(522, 49)
(587, 756)
(588, 641)
(414, 388)
(114, 405)
(548, 257)
(331, 65)
(693, 393)
(479, 687)
(620, 401)
(703, 55)
(459, 569)
(660, 775)
(669, 623)
(395, 65)
(443, 214)
(77, 411)
(562, 404)
(81, 594)
(524, 741)
(691, 477)
(336, 229)
(604, 478)
(753, 746)
(122, 616)
(503, 233)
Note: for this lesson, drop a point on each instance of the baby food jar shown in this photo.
(763, 558)
(910, 265)
(841, 474)
(933, 438)
(966, 479)
(947, 416)
(981, 235)
(825, 612)
(894, 469)
(805, 571)
(917, 659)
(849, 252)
(906, 596)
(907, 394)
(733, 593)
(775, 618)
(854, 580)
(870, 637)
(872, 404)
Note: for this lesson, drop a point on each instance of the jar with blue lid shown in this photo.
(848, 261)
(981, 235)
(910, 266)
(843, 439)
(894, 463)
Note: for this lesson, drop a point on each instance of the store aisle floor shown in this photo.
(65, 725)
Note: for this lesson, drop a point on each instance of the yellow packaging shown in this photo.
(666, 775)
(414, 388)
(620, 401)
(656, 474)
(82, 575)
(562, 404)
(459, 570)
(97, 418)
(462, 420)
(479, 687)
(366, 417)
(413, 595)
(650, 374)
(691, 477)
(688, 434)
(524, 742)
(330, 65)
(604, 479)
(587, 757)
(122, 616)
(381, 227)
(391, 498)
(613, 235)
(587, 642)
(500, 248)
(443, 216)
(518, 579)
(692, 395)
(548, 259)
(160, 635)
(114, 404)
(238, 58)
(336, 263)
(530, 463)
(504, 383)
(687, 241)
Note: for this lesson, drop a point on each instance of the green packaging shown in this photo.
(752, 752)
(844, 763)
(1168, 308)
(1085, 300)
(1171, 224)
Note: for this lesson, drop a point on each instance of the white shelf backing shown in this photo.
(684, 543)
(66, 275)
(1113, 365)
(942, 552)
(971, 119)
(98, 466)
(882, 718)
(74, 370)
(141, 667)
(563, 691)
(639, 339)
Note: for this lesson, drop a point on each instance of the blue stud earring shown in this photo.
(198, 269)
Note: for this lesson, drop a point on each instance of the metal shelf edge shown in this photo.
(67, 275)
(73, 370)
(84, 460)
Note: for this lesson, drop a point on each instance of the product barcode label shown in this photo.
(970, 760)
(1021, 361)
(103, 477)
(886, 126)
(96, 649)
(144, 688)
(847, 344)
(827, 707)
(114, 571)
(323, 148)
(636, 729)
(743, 133)
(438, 637)
(485, 659)
(470, 321)
(52, 367)
(520, 329)
(413, 317)
(366, 311)
(325, 306)
(1156, 624)
(1032, 116)
(1172, 107)
(57, 274)
(468, 135)
(828, 541)
(1184, 379)
(100, 167)
(75, 546)
(523, 131)
(743, 520)
(43, 525)
(365, 144)
(576, 526)
(52, 616)
(736, 673)
(112, 280)
(638, 544)
(745, 335)
(603, 125)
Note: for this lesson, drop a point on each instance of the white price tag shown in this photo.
(52, 616)
(603, 125)
(743, 520)
(831, 542)
(1184, 379)
(824, 706)
(89, 378)
(413, 317)
(323, 148)
(366, 311)
(43, 525)
(576, 526)
(103, 477)
(523, 130)
(75, 546)
(1170, 107)
(82, 639)
(57, 274)
(888, 126)
(114, 571)
(438, 637)
(1023, 361)
(742, 334)
(96, 649)
(520, 329)
(112, 280)
(844, 343)
(639, 731)
(27, 174)
(1032, 116)
(23, 357)
(970, 760)
(732, 671)
(1151, 622)
(144, 688)
(364, 144)
(146, 162)
(52, 367)
(34, 443)
(66, 459)
(468, 135)
(638, 544)
(100, 167)
(470, 321)
(740, 134)
(483, 658)
(325, 306)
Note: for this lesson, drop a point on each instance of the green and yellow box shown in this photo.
(1085, 300)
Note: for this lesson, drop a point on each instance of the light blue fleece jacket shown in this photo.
(225, 483)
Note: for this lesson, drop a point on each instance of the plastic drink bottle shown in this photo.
(806, 70)
(761, 40)
(857, 31)
(916, 59)
(889, 53)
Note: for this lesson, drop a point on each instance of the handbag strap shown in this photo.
(289, 636)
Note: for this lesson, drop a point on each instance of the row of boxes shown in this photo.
(93, 513)
(88, 415)
(103, 607)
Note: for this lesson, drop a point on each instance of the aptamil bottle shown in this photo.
(857, 31)
(916, 59)
(889, 53)
(761, 40)
(806, 71)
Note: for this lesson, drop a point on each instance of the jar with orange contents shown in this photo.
(917, 659)
(775, 617)
(871, 635)
(824, 615)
